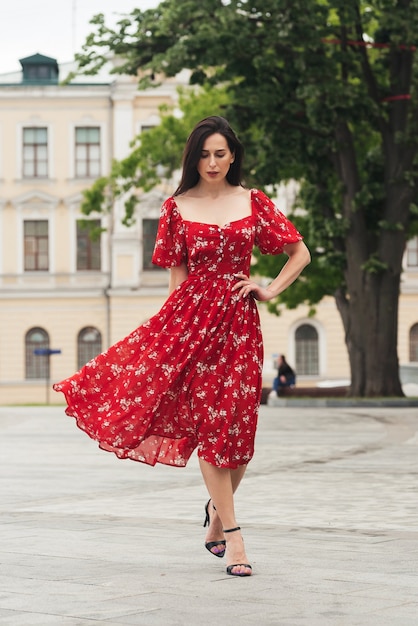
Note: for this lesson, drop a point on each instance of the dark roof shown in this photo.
(39, 69)
(36, 59)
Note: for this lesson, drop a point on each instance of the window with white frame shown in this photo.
(307, 350)
(413, 343)
(149, 235)
(35, 152)
(88, 245)
(87, 152)
(35, 245)
(412, 252)
(89, 345)
(36, 365)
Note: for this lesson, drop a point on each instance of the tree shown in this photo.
(325, 92)
(155, 154)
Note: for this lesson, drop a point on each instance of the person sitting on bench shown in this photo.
(286, 376)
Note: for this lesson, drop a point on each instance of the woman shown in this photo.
(286, 376)
(190, 377)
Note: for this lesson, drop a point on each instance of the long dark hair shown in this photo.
(193, 150)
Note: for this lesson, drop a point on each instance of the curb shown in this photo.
(343, 402)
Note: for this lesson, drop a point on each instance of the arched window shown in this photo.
(89, 345)
(307, 354)
(413, 343)
(37, 366)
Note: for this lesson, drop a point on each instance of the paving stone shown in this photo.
(328, 509)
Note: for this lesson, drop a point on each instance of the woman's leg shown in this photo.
(222, 484)
(215, 529)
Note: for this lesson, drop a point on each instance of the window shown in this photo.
(412, 252)
(88, 248)
(413, 343)
(307, 359)
(38, 72)
(89, 345)
(39, 69)
(37, 366)
(35, 245)
(149, 235)
(87, 152)
(35, 152)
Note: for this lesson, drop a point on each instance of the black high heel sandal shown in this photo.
(231, 567)
(211, 544)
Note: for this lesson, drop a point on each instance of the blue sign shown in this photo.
(45, 351)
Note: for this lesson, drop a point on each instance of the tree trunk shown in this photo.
(369, 304)
(369, 312)
(370, 321)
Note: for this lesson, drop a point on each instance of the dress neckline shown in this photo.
(212, 224)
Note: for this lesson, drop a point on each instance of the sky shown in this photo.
(55, 28)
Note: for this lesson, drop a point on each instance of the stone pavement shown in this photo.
(328, 508)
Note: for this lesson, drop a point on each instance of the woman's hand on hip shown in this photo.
(247, 287)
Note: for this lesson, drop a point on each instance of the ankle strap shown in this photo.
(231, 530)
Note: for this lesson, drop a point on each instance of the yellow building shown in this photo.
(59, 290)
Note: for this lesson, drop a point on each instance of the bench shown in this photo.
(314, 392)
(307, 392)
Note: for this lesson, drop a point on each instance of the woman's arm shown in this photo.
(299, 257)
(177, 276)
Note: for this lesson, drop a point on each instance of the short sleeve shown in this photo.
(170, 245)
(273, 229)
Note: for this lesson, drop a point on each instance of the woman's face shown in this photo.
(215, 159)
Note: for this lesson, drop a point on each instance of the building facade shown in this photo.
(65, 297)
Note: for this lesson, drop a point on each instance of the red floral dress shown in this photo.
(190, 377)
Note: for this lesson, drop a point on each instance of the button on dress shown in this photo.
(190, 377)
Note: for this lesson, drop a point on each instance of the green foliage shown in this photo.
(155, 154)
(413, 221)
(324, 275)
(92, 229)
(321, 91)
(95, 196)
(374, 265)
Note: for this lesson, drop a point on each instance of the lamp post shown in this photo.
(46, 352)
